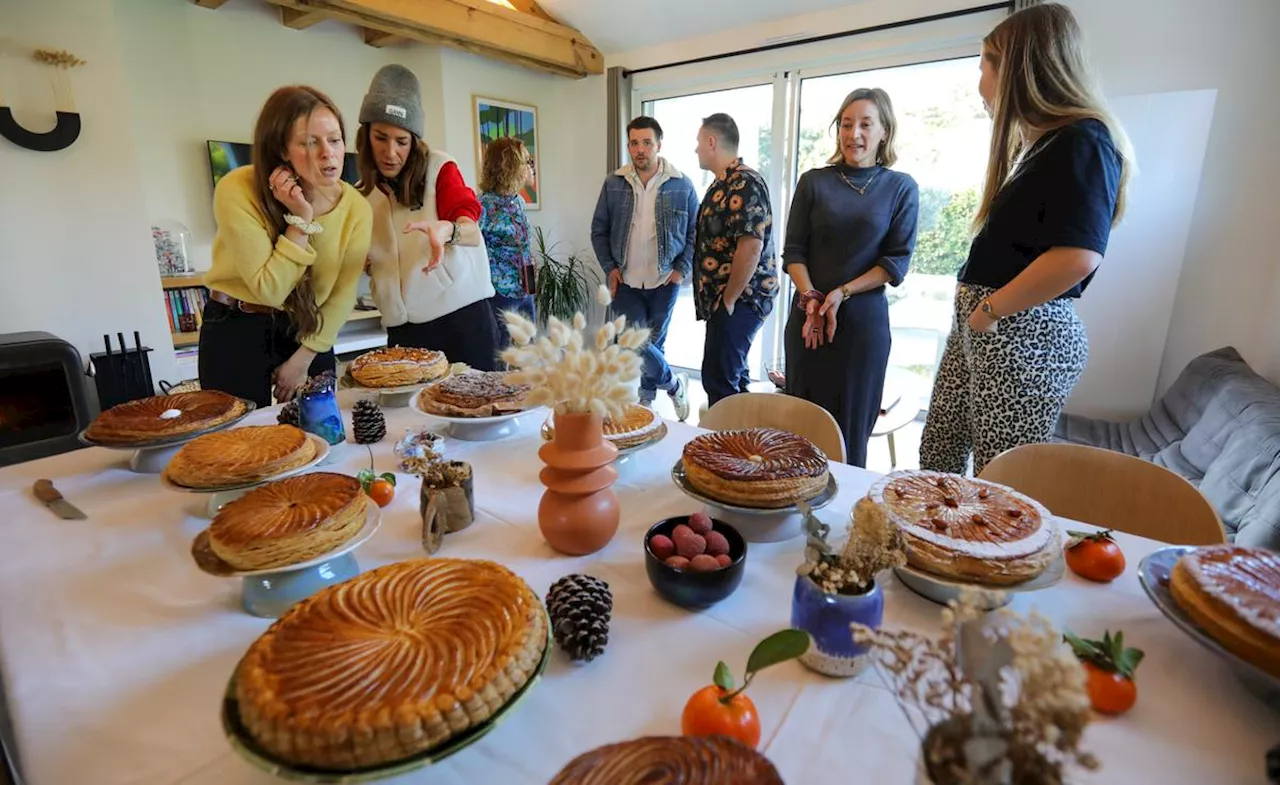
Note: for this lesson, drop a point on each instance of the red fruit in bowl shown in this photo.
(700, 522)
(724, 560)
(703, 563)
(662, 546)
(687, 543)
(716, 543)
(677, 562)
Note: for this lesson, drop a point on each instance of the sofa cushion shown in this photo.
(1218, 426)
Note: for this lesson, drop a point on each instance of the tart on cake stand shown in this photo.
(270, 592)
(150, 456)
(642, 429)
(757, 524)
(219, 495)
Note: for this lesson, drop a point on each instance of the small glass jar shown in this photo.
(172, 242)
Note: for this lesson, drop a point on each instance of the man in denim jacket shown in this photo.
(643, 236)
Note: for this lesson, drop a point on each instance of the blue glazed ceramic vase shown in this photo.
(318, 413)
(826, 617)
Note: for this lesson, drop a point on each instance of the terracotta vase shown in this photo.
(579, 512)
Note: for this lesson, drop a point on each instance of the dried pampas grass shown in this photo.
(570, 373)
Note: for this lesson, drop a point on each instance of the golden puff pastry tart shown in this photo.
(289, 521)
(164, 416)
(398, 366)
(670, 760)
(391, 663)
(1233, 593)
(474, 394)
(756, 467)
(239, 456)
(967, 529)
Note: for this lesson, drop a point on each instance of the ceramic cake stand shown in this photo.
(755, 524)
(943, 590)
(152, 457)
(390, 397)
(221, 495)
(477, 429)
(269, 593)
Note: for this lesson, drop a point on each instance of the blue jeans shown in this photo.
(650, 308)
(724, 356)
(500, 303)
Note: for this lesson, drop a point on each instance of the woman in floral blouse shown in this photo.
(508, 167)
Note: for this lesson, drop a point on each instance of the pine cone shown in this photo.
(289, 415)
(580, 606)
(367, 423)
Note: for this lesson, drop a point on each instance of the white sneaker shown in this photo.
(680, 396)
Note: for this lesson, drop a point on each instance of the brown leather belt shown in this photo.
(239, 305)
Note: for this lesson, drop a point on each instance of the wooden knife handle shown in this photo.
(45, 491)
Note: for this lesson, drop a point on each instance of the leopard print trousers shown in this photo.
(995, 391)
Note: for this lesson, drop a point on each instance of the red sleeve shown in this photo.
(454, 199)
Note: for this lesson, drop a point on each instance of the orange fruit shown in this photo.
(706, 715)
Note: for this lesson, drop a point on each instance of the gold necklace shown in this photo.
(863, 190)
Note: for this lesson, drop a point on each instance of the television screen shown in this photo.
(225, 156)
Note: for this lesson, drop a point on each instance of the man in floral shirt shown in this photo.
(736, 275)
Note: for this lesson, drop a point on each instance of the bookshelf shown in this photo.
(178, 286)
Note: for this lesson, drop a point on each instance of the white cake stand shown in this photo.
(151, 457)
(756, 524)
(270, 592)
(391, 397)
(477, 429)
(221, 495)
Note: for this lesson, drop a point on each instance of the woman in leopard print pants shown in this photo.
(1055, 186)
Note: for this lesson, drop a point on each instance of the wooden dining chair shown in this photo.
(1111, 490)
(775, 410)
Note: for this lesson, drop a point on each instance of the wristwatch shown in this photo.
(985, 307)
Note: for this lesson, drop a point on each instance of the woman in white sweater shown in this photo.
(429, 272)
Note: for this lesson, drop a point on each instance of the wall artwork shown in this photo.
(495, 119)
(67, 128)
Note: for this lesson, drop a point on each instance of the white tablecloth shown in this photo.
(116, 649)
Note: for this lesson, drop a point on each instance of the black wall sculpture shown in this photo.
(63, 135)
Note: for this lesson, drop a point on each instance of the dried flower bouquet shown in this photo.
(875, 544)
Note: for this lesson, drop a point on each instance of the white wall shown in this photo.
(1228, 289)
(75, 241)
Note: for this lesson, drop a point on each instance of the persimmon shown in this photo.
(719, 709)
(381, 487)
(1095, 557)
(1109, 669)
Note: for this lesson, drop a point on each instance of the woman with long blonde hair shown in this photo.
(292, 240)
(1055, 187)
(507, 169)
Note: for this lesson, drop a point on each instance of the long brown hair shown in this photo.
(1043, 82)
(410, 188)
(271, 136)
(503, 171)
(886, 155)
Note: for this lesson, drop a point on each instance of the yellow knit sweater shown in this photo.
(252, 263)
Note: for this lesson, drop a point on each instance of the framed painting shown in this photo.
(496, 118)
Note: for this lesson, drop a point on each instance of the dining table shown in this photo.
(116, 649)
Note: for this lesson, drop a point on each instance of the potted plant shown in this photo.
(834, 589)
(563, 285)
(583, 382)
(1002, 701)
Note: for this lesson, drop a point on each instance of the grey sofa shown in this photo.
(1218, 426)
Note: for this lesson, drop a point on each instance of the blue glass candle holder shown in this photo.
(318, 410)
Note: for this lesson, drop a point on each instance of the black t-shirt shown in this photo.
(1064, 194)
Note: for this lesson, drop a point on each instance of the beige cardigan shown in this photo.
(396, 261)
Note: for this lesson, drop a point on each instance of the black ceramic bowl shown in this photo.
(690, 589)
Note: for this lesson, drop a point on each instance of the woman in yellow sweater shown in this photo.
(291, 244)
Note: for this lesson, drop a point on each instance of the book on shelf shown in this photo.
(185, 308)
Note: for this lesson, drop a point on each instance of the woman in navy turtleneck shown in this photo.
(851, 230)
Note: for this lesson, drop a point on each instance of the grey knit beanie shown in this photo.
(394, 98)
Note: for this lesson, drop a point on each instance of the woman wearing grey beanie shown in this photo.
(428, 269)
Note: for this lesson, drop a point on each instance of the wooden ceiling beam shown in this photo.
(475, 26)
(531, 7)
(380, 38)
(300, 20)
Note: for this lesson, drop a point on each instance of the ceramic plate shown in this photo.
(247, 748)
(942, 590)
(818, 502)
(172, 440)
(322, 450)
(208, 561)
(1153, 574)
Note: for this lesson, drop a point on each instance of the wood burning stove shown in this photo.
(44, 397)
